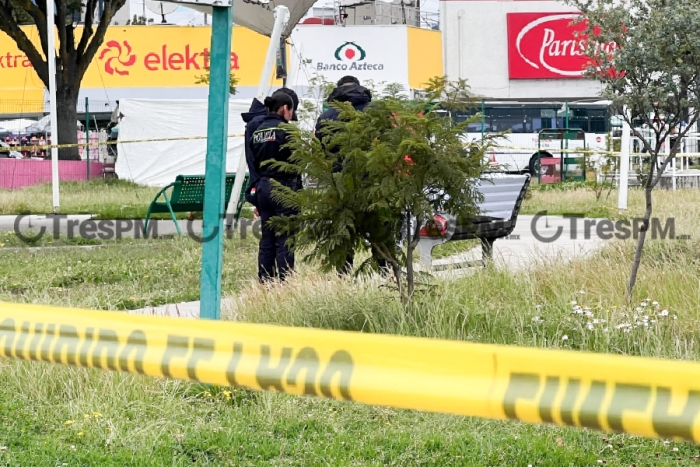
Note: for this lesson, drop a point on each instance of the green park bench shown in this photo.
(187, 195)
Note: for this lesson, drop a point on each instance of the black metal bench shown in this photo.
(187, 195)
(502, 197)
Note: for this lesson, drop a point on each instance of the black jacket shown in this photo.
(253, 118)
(266, 145)
(357, 95)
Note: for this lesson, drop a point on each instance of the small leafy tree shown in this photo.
(645, 53)
(402, 161)
(204, 79)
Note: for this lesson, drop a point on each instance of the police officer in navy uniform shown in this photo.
(253, 118)
(266, 144)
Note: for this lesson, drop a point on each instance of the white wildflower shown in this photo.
(565, 337)
(582, 292)
(573, 302)
(675, 317)
(663, 313)
(596, 321)
(590, 326)
(655, 303)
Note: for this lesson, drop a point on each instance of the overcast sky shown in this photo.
(185, 16)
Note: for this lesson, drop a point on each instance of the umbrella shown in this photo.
(260, 17)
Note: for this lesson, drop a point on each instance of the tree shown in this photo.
(137, 21)
(204, 79)
(645, 53)
(73, 56)
(402, 162)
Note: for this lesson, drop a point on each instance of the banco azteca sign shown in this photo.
(349, 57)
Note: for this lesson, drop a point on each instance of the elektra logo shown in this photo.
(351, 57)
(123, 57)
(120, 55)
(549, 46)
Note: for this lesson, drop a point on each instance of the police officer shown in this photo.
(348, 89)
(253, 118)
(266, 144)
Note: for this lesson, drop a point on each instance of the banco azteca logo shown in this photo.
(350, 51)
(120, 56)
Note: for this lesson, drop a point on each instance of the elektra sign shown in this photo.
(544, 46)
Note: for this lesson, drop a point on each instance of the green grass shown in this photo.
(118, 275)
(141, 421)
(104, 198)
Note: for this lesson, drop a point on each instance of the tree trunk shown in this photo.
(67, 116)
(643, 231)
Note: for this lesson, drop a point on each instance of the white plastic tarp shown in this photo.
(157, 163)
(17, 125)
(261, 18)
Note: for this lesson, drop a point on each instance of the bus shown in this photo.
(517, 151)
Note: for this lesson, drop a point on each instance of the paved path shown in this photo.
(535, 241)
(519, 252)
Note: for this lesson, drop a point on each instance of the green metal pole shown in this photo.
(215, 173)
(87, 135)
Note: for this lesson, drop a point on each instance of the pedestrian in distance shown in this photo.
(267, 143)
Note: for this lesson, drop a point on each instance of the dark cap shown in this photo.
(348, 80)
(295, 100)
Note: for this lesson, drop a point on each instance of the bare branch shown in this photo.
(9, 25)
(87, 29)
(83, 62)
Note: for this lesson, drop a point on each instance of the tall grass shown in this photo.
(56, 415)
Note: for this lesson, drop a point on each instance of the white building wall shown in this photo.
(475, 47)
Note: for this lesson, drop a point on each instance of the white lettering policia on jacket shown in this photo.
(265, 136)
(349, 56)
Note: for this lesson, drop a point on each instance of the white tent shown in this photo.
(17, 125)
(260, 18)
(182, 123)
(44, 125)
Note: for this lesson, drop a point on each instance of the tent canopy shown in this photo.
(261, 18)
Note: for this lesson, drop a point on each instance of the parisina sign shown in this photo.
(547, 46)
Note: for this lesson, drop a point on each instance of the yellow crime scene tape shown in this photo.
(36, 147)
(642, 396)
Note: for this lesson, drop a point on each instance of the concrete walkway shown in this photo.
(534, 240)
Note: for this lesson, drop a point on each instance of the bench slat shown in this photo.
(502, 197)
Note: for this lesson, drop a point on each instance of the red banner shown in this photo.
(544, 46)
